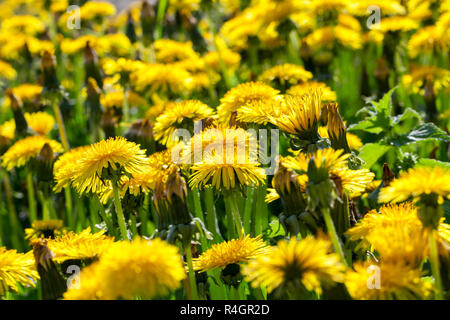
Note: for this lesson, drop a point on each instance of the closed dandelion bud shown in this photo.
(336, 129)
(319, 188)
(53, 284)
(44, 168)
(93, 103)
(430, 210)
(176, 193)
(130, 29)
(19, 118)
(48, 68)
(141, 132)
(161, 207)
(381, 74)
(108, 123)
(231, 275)
(430, 100)
(148, 21)
(285, 27)
(287, 186)
(27, 54)
(91, 65)
(388, 175)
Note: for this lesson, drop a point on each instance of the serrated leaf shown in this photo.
(425, 131)
(371, 152)
(408, 114)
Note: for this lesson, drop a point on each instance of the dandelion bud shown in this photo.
(176, 194)
(388, 175)
(287, 185)
(108, 123)
(130, 29)
(336, 129)
(48, 68)
(44, 168)
(19, 118)
(430, 210)
(147, 21)
(430, 99)
(92, 66)
(53, 284)
(141, 132)
(92, 104)
(381, 74)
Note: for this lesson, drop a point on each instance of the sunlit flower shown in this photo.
(83, 245)
(7, 71)
(44, 229)
(396, 282)
(234, 251)
(141, 268)
(16, 268)
(354, 142)
(287, 73)
(307, 87)
(41, 122)
(25, 149)
(309, 262)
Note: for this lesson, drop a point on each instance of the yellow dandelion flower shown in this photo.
(121, 65)
(80, 246)
(396, 24)
(416, 80)
(27, 92)
(321, 7)
(300, 115)
(180, 115)
(230, 252)
(44, 229)
(16, 268)
(73, 46)
(41, 122)
(387, 7)
(323, 158)
(25, 149)
(352, 181)
(307, 87)
(141, 268)
(23, 24)
(227, 159)
(7, 71)
(251, 95)
(167, 51)
(92, 10)
(309, 262)
(230, 58)
(114, 99)
(286, 73)
(64, 168)
(428, 39)
(115, 155)
(416, 182)
(396, 281)
(7, 132)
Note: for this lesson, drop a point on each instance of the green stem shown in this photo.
(119, 212)
(106, 219)
(133, 225)
(45, 211)
(160, 18)
(434, 262)
(192, 280)
(61, 127)
(211, 217)
(69, 207)
(248, 209)
(125, 106)
(197, 204)
(334, 237)
(31, 198)
(144, 216)
(234, 208)
(12, 214)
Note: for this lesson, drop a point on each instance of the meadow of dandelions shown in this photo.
(312, 164)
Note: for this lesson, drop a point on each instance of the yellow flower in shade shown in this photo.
(428, 39)
(27, 92)
(80, 246)
(114, 155)
(162, 77)
(354, 142)
(416, 80)
(226, 158)
(142, 268)
(324, 158)
(251, 96)
(7, 71)
(416, 182)
(95, 9)
(16, 268)
(230, 252)
(287, 73)
(396, 282)
(307, 87)
(399, 222)
(230, 58)
(23, 24)
(167, 51)
(300, 115)
(180, 115)
(44, 229)
(309, 262)
(64, 168)
(25, 149)
(41, 122)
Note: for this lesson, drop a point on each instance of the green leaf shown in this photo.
(379, 116)
(425, 131)
(424, 162)
(371, 152)
(408, 114)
